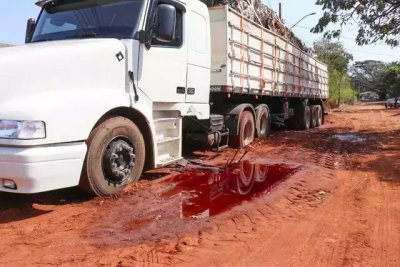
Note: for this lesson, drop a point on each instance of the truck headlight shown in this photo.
(24, 130)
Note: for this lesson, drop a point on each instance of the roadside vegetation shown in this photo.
(338, 60)
(377, 77)
(377, 21)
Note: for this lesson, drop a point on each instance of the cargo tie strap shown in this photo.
(241, 54)
(277, 68)
(262, 80)
(274, 68)
(301, 72)
(287, 68)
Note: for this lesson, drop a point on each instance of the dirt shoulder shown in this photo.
(339, 207)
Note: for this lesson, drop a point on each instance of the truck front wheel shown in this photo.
(115, 157)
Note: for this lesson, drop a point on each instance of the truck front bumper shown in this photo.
(40, 169)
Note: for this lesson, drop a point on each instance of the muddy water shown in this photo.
(206, 193)
(349, 137)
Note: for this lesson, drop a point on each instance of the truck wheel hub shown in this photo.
(118, 161)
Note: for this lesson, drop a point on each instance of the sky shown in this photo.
(15, 13)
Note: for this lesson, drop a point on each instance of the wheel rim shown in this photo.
(248, 133)
(118, 160)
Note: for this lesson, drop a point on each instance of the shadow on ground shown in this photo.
(17, 207)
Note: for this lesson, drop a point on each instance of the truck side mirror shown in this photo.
(30, 28)
(166, 20)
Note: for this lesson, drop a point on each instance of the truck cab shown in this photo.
(98, 92)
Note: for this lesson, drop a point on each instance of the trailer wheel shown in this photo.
(314, 116)
(263, 122)
(115, 157)
(304, 117)
(247, 130)
(319, 115)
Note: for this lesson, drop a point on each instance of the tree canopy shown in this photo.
(377, 20)
(376, 76)
(334, 55)
(391, 78)
(367, 76)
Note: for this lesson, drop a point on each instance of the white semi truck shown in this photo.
(104, 89)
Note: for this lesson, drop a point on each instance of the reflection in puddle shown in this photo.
(350, 137)
(207, 193)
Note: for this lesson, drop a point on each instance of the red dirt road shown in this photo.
(337, 203)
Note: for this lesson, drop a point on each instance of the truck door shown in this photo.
(199, 61)
(162, 75)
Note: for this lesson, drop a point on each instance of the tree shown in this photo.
(338, 60)
(378, 20)
(333, 54)
(392, 80)
(367, 76)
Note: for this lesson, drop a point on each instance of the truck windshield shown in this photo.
(72, 19)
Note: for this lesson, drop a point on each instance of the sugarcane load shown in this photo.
(260, 13)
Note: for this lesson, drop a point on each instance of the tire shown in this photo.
(314, 116)
(304, 118)
(319, 116)
(247, 131)
(263, 122)
(115, 157)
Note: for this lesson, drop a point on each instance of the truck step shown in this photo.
(169, 138)
(164, 161)
(164, 120)
(164, 140)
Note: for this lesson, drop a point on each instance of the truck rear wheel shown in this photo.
(319, 115)
(115, 157)
(304, 117)
(314, 116)
(247, 130)
(263, 122)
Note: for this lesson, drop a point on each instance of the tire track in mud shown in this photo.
(354, 244)
(387, 228)
(320, 237)
(329, 156)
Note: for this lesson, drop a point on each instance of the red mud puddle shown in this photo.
(207, 193)
(176, 201)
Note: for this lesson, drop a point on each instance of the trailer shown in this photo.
(255, 69)
(250, 60)
(114, 87)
